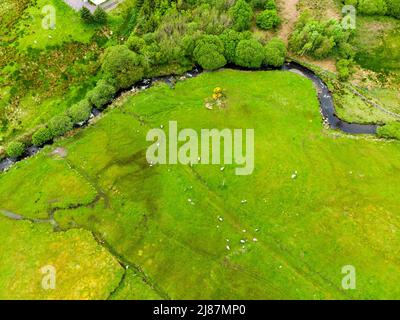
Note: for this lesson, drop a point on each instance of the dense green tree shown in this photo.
(15, 149)
(209, 51)
(249, 53)
(275, 53)
(343, 68)
(99, 15)
(59, 125)
(85, 14)
(372, 7)
(80, 111)
(135, 43)
(389, 131)
(101, 94)
(268, 19)
(41, 136)
(230, 38)
(270, 5)
(393, 8)
(121, 67)
(242, 14)
(319, 39)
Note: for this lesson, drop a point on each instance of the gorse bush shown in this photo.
(59, 125)
(372, 7)
(121, 67)
(390, 131)
(99, 15)
(275, 53)
(41, 136)
(318, 39)
(101, 94)
(268, 19)
(242, 14)
(249, 54)
(208, 52)
(80, 111)
(15, 149)
(230, 39)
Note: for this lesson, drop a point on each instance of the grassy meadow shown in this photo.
(188, 232)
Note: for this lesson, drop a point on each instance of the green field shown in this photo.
(164, 222)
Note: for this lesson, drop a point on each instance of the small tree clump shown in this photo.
(275, 53)
(100, 15)
(15, 149)
(268, 19)
(249, 54)
(80, 111)
(59, 125)
(241, 13)
(101, 94)
(41, 136)
(121, 67)
(86, 15)
(209, 52)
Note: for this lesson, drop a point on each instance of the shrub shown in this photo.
(230, 38)
(270, 5)
(86, 15)
(41, 136)
(135, 43)
(343, 68)
(268, 19)
(80, 111)
(249, 53)
(101, 94)
(318, 39)
(372, 7)
(15, 149)
(241, 13)
(121, 67)
(59, 125)
(393, 8)
(99, 15)
(275, 53)
(209, 52)
(389, 131)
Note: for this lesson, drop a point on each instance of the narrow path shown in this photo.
(288, 10)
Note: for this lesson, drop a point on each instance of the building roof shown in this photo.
(98, 2)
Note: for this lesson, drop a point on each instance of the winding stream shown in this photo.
(325, 98)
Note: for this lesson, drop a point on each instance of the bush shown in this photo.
(241, 13)
(230, 38)
(270, 5)
(268, 19)
(135, 43)
(318, 39)
(209, 52)
(389, 131)
(275, 53)
(372, 7)
(86, 15)
(101, 94)
(80, 111)
(99, 15)
(15, 149)
(41, 136)
(59, 125)
(249, 53)
(343, 68)
(121, 67)
(393, 8)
